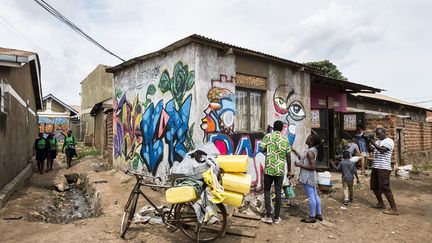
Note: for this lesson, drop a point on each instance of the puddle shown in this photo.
(80, 201)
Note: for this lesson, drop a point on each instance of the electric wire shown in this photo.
(66, 21)
(12, 29)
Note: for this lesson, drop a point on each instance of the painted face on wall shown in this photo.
(220, 113)
(286, 105)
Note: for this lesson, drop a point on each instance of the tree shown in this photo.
(328, 69)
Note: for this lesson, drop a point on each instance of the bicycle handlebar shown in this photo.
(146, 176)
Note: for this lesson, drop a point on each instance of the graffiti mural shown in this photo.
(218, 126)
(144, 129)
(59, 126)
(220, 112)
(288, 109)
(244, 144)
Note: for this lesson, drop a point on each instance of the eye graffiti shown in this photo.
(283, 106)
(296, 111)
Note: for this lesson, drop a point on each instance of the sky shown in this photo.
(385, 44)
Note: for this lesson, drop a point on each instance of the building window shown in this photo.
(249, 111)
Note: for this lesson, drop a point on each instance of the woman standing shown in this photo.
(41, 147)
(69, 143)
(52, 152)
(307, 176)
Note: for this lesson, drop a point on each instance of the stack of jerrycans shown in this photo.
(235, 181)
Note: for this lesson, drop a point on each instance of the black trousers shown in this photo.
(268, 181)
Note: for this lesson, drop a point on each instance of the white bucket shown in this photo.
(324, 178)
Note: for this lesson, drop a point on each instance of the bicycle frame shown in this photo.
(137, 190)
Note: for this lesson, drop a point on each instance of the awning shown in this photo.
(344, 86)
(350, 109)
(104, 105)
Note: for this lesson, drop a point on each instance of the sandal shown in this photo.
(378, 206)
(391, 212)
(309, 220)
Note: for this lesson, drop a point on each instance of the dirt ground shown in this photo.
(357, 223)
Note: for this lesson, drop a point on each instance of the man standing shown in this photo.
(278, 149)
(381, 170)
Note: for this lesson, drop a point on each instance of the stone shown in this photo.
(62, 186)
(327, 223)
(111, 172)
(331, 237)
(125, 179)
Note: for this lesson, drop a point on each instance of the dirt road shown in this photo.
(357, 223)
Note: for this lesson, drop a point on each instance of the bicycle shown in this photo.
(180, 216)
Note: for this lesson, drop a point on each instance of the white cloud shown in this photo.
(380, 43)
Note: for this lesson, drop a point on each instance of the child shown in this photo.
(349, 170)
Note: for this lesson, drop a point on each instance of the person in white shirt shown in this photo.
(381, 170)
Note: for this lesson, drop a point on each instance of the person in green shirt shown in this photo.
(52, 152)
(278, 149)
(41, 147)
(69, 144)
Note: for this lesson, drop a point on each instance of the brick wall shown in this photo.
(109, 131)
(416, 138)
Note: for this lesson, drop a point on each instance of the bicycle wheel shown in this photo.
(128, 214)
(187, 222)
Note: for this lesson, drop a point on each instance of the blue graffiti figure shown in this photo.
(178, 125)
(152, 146)
(175, 133)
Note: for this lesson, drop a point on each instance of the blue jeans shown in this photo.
(314, 200)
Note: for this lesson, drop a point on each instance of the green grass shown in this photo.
(418, 169)
(89, 152)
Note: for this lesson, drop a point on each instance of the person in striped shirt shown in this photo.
(381, 170)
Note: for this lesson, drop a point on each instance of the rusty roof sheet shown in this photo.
(15, 52)
(352, 87)
(391, 99)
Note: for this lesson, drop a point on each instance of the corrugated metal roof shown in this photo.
(352, 109)
(391, 99)
(244, 51)
(206, 41)
(354, 87)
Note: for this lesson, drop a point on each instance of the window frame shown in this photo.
(248, 109)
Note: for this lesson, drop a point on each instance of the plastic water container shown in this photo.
(233, 163)
(233, 198)
(237, 182)
(180, 194)
(324, 178)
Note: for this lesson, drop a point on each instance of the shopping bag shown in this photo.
(289, 192)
